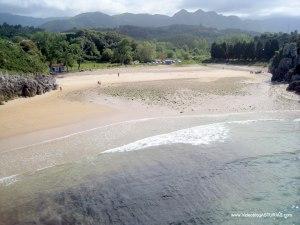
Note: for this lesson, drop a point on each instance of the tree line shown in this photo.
(78, 46)
(43, 49)
(247, 51)
(259, 48)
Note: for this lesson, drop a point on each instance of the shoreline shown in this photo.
(85, 145)
(139, 92)
(79, 83)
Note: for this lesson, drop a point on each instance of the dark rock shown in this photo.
(295, 77)
(288, 76)
(12, 86)
(292, 86)
(297, 69)
(25, 91)
(285, 66)
(297, 89)
(284, 62)
(39, 90)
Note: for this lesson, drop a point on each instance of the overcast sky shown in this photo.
(245, 8)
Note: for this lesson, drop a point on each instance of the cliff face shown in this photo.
(12, 86)
(285, 67)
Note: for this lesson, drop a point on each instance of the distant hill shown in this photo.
(23, 20)
(178, 33)
(183, 17)
(199, 17)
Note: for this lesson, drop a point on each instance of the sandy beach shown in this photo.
(187, 89)
(154, 144)
(139, 92)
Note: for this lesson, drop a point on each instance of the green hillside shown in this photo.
(21, 57)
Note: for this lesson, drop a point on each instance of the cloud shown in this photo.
(246, 7)
(47, 8)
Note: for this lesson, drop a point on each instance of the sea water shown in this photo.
(225, 171)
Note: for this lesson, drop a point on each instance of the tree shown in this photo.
(259, 50)
(107, 55)
(14, 58)
(250, 50)
(72, 53)
(268, 53)
(223, 52)
(51, 45)
(170, 54)
(145, 52)
(123, 52)
(214, 50)
(274, 46)
(219, 51)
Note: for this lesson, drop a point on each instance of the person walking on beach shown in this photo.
(99, 83)
(118, 74)
(60, 88)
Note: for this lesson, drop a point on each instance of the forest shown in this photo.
(75, 48)
(255, 49)
(32, 50)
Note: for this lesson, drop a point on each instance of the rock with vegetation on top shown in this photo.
(12, 86)
(285, 66)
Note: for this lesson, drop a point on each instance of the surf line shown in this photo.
(6, 181)
(142, 120)
(216, 134)
(198, 135)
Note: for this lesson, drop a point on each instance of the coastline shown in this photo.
(141, 92)
(83, 101)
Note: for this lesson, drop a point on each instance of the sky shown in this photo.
(59, 8)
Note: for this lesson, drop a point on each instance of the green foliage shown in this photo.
(22, 57)
(89, 47)
(235, 38)
(107, 55)
(9, 31)
(243, 48)
(123, 53)
(145, 52)
(92, 66)
(51, 46)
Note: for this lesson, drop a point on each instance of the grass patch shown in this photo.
(93, 66)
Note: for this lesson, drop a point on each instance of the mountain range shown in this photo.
(183, 17)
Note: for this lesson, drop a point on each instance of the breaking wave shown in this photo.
(200, 135)
(6, 181)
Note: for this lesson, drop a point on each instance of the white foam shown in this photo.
(46, 167)
(5, 181)
(296, 120)
(144, 119)
(245, 122)
(200, 135)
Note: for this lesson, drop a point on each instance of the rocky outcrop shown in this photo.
(12, 86)
(285, 67)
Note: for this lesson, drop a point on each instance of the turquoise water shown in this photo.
(231, 171)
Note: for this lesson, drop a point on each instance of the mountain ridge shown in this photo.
(184, 17)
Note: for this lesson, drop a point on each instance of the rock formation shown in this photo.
(285, 67)
(12, 86)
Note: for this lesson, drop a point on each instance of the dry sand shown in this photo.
(139, 92)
